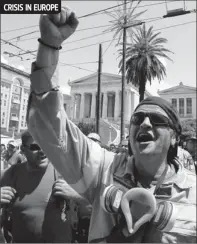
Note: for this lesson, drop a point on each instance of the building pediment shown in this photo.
(180, 89)
(93, 79)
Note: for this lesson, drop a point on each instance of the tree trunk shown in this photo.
(142, 87)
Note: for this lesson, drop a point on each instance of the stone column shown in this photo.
(72, 106)
(93, 106)
(105, 105)
(82, 106)
(117, 105)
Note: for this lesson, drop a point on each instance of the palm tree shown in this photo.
(142, 58)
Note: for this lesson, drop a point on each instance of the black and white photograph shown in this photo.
(98, 122)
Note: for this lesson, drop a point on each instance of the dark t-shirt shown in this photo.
(36, 217)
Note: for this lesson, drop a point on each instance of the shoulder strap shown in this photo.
(55, 174)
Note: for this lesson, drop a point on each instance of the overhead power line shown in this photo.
(151, 20)
(74, 66)
(21, 49)
(87, 15)
(167, 27)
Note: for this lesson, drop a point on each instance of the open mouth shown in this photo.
(144, 137)
(42, 156)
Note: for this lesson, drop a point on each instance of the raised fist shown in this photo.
(55, 28)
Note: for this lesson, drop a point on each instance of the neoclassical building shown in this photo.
(183, 98)
(84, 95)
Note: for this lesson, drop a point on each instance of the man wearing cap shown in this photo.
(150, 189)
(13, 153)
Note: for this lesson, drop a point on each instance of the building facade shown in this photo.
(84, 96)
(14, 98)
(67, 104)
(15, 88)
(183, 99)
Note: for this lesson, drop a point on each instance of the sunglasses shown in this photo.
(33, 147)
(156, 119)
(10, 146)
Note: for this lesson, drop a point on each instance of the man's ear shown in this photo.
(174, 139)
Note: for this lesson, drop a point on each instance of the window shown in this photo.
(22, 123)
(4, 102)
(189, 105)
(22, 117)
(16, 90)
(181, 106)
(16, 97)
(23, 107)
(174, 103)
(5, 96)
(1, 94)
(3, 114)
(14, 115)
(2, 121)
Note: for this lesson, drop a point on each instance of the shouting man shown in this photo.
(161, 191)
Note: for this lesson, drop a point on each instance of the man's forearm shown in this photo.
(46, 57)
(43, 76)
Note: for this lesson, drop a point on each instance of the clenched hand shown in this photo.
(62, 189)
(7, 194)
(55, 28)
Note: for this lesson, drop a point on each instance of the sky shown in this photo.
(82, 48)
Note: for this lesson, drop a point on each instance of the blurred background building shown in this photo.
(183, 99)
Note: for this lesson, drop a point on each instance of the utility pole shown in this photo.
(98, 102)
(122, 129)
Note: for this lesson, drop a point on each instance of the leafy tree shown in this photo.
(188, 128)
(142, 58)
(86, 128)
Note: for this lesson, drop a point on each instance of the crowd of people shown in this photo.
(71, 188)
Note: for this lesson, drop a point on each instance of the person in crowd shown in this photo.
(191, 146)
(3, 148)
(124, 145)
(36, 200)
(13, 155)
(185, 158)
(113, 148)
(3, 153)
(148, 197)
